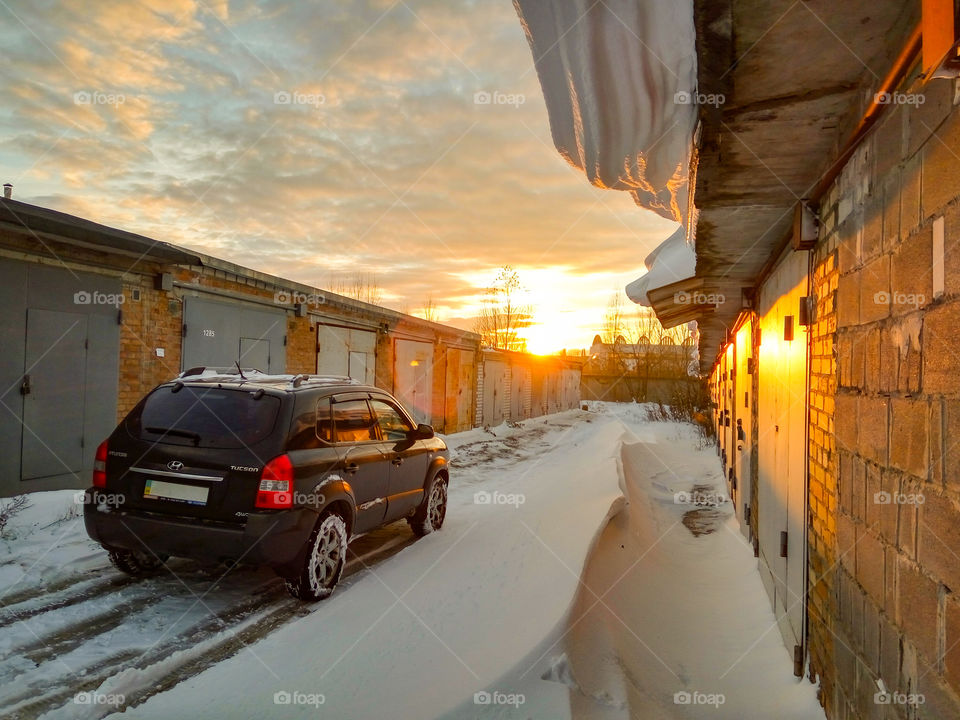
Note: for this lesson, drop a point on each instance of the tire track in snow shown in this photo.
(178, 657)
(195, 663)
(78, 589)
(39, 697)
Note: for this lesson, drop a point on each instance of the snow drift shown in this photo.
(618, 78)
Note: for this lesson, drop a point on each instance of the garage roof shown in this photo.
(794, 77)
(35, 220)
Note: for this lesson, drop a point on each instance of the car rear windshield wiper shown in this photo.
(175, 431)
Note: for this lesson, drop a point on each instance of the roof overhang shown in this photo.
(682, 302)
(794, 77)
(41, 222)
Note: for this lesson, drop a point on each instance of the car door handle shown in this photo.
(397, 461)
(351, 468)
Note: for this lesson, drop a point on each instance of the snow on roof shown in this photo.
(619, 81)
(671, 261)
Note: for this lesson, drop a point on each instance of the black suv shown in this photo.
(278, 470)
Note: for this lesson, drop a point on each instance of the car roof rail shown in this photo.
(219, 370)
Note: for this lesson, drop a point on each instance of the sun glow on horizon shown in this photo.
(567, 307)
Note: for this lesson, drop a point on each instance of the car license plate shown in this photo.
(190, 494)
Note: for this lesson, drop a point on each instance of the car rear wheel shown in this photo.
(325, 560)
(133, 563)
(433, 509)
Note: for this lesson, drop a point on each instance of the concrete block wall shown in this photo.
(885, 559)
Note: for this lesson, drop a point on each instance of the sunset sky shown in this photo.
(172, 122)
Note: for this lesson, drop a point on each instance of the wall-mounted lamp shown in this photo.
(788, 328)
(806, 311)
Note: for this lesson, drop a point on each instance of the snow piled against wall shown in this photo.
(615, 75)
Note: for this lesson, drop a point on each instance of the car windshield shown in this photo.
(206, 417)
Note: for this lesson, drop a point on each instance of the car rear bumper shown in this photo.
(276, 539)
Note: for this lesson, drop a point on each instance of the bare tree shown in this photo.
(614, 321)
(360, 286)
(429, 311)
(640, 348)
(502, 317)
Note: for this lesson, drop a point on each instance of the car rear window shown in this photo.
(206, 417)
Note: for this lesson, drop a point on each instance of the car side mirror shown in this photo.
(423, 432)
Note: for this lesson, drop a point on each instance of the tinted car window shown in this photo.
(206, 417)
(393, 426)
(353, 421)
(303, 431)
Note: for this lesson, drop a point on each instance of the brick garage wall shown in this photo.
(888, 602)
(148, 324)
(156, 322)
(822, 480)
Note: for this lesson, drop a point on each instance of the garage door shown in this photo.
(413, 377)
(347, 351)
(460, 368)
(218, 333)
(781, 414)
(495, 391)
(58, 374)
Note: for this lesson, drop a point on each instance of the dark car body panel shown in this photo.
(369, 483)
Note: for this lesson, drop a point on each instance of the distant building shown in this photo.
(643, 371)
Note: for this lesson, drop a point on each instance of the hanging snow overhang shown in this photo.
(618, 78)
(781, 85)
(795, 79)
(671, 261)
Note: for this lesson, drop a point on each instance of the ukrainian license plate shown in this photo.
(190, 494)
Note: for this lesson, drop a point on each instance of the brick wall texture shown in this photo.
(884, 505)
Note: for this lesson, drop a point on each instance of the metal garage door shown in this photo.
(495, 392)
(221, 333)
(781, 450)
(520, 384)
(413, 377)
(744, 422)
(58, 374)
(347, 351)
(56, 358)
(460, 368)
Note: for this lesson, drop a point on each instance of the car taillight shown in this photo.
(276, 484)
(100, 466)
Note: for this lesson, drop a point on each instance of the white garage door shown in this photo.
(413, 377)
(347, 351)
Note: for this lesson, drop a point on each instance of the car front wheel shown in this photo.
(433, 510)
(325, 560)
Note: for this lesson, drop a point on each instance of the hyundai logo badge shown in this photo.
(175, 465)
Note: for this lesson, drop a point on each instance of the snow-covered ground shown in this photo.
(567, 582)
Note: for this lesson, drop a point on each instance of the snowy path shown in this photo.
(529, 596)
